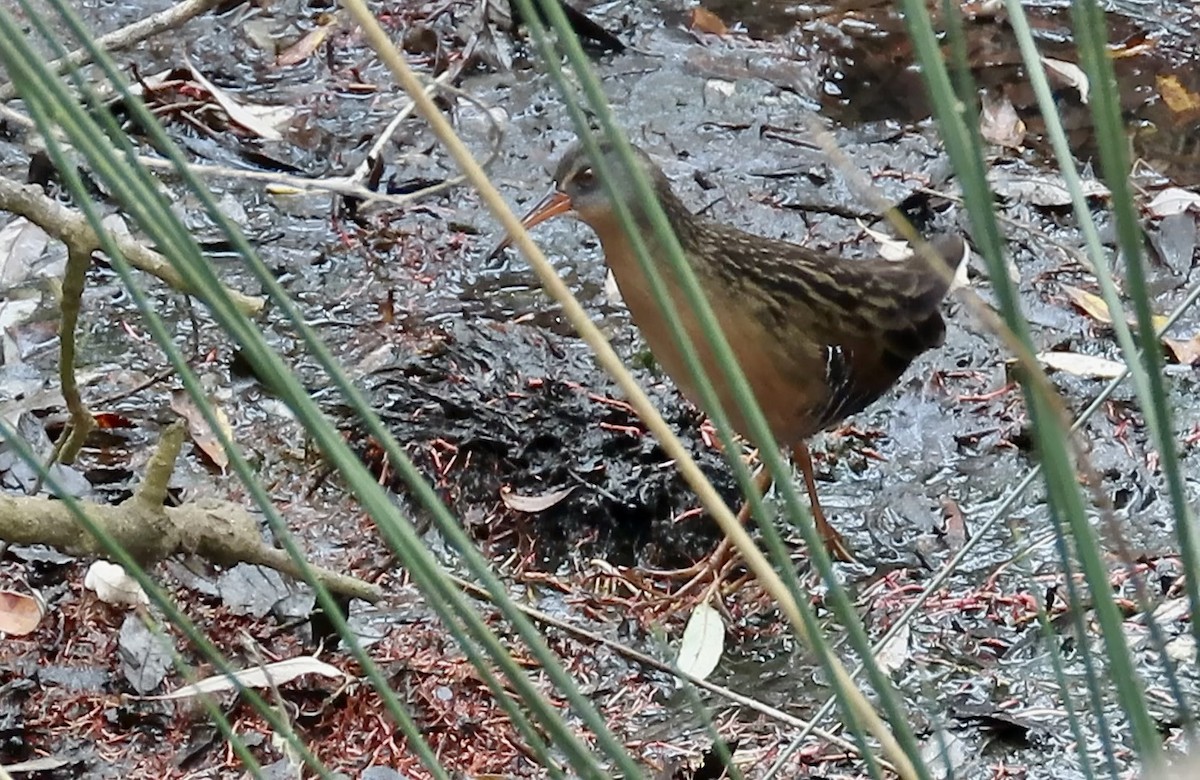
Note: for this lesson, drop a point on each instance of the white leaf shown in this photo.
(999, 123)
(533, 504)
(1171, 611)
(703, 642)
(895, 652)
(16, 312)
(272, 674)
(113, 586)
(720, 87)
(1173, 200)
(1070, 73)
(1087, 366)
(612, 293)
(1182, 649)
(889, 248)
(1042, 189)
(961, 278)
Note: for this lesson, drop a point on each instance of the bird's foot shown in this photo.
(718, 573)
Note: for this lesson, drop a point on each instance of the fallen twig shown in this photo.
(219, 531)
(72, 228)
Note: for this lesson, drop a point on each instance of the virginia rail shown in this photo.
(819, 337)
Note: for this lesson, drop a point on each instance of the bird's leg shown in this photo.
(715, 566)
(712, 566)
(834, 542)
(762, 482)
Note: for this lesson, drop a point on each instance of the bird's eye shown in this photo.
(585, 179)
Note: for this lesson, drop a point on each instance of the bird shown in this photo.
(818, 336)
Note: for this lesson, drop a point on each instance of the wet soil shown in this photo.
(476, 372)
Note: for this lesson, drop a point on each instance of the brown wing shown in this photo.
(834, 299)
(870, 318)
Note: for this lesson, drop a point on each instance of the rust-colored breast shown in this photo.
(786, 377)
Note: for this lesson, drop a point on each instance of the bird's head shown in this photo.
(578, 190)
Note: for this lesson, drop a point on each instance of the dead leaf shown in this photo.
(1185, 351)
(612, 293)
(1086, 366)
(1042, 190)
(44, 764)
(898, 250)
(889, 248)
(703, 642)
(705, 21)
(14, 316)
(1182, 649)
(962, 277)
(1095, 307)
(1171, 201)
(111, 421)
(895, 652)
(1136, 45)
(202, 435)
(1070, 74)
(954, 529)
(532, 504)
(272, 674)
(263, 121)
(1178, 98)
(1171, 611)
(302, 49)
(21, 246)
(421, 39)
(1091, 304)
(999, 123)
(20, 613)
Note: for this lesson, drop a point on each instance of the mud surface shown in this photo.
(475, 371)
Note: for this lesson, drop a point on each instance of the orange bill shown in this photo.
(555, 203)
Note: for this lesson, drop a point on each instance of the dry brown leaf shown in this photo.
(1135, 45)
(202, 435)
(705, 21)
(1185, 351)
(533, 504)
(302, 49)
(263, 121)
(999, 123)
(1095, 307)
(954, 532)
(1091, 304)
(1178, 98)
(20, 613)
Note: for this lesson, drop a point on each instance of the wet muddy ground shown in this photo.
(477, 374)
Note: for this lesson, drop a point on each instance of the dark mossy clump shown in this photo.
(523, 409)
